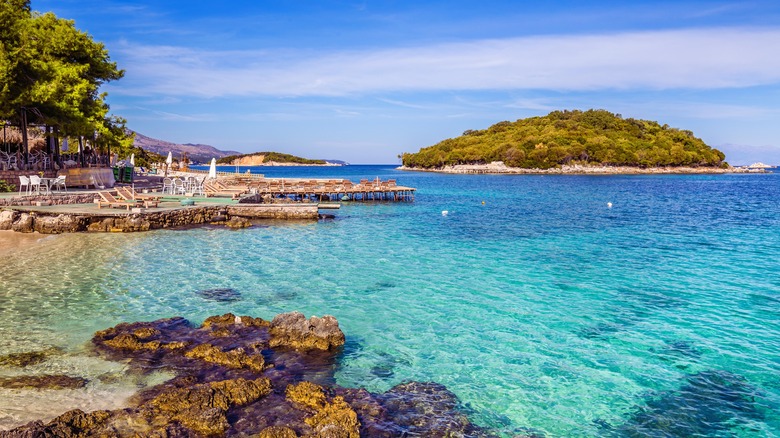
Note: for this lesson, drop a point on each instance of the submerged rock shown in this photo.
(27, 358)
(48, 381)
(221, 294)
(244, 376)
(709, 403)
(413, 409)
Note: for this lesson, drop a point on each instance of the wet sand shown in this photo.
(11, 241)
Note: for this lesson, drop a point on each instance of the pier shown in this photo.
(332, 190)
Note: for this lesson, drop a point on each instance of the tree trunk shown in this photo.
(25, 144)
(57, 147)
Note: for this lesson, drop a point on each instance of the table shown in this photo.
(47, 182)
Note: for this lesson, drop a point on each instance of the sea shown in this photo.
(556, 305)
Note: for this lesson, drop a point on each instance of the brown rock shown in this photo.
(238, 222)
(24, 223)
(63, 223)
(307, 394)
(336, 419)
(236, 359)
(48, 381)
(146, 333)
(127, 341)
(229, 320)
(7, 218)
(277, 432)
(26, 358)
(203, 407)
(295, 331)
(75, 423)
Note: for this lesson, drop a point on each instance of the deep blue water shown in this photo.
(541, 307)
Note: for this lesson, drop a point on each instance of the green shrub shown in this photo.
(5, 187)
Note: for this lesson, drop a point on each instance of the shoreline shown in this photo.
(276, 164)
(499, 168)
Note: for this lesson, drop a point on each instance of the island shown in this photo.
(571, 141)
(271, 159)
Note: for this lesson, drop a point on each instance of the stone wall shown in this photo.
(12, 176)
(54, 199)
(57, 223)
(274, 211)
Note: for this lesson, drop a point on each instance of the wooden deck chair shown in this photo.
(108, 199)
(210, 189)
(240, 189)
(129, 194)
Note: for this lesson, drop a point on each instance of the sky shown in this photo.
(364, 81)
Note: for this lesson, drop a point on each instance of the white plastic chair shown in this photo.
(38, 184)
(178, 187)
(59, 183)
(167, 185)
(24, 182)
(197, 187)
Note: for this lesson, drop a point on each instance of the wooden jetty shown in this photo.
(334, 190)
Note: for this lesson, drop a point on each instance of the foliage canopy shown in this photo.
(593, 137)
(51, 73)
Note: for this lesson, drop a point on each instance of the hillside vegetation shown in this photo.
(271, 156)
(593, 137)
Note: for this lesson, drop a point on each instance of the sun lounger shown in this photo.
(211, 189)
(107, 199)
(129, 194)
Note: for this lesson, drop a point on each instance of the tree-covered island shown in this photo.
(571, 138)
(260, 158)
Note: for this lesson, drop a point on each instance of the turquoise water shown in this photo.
(542, 308)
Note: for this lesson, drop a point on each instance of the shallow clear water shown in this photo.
(541, 308)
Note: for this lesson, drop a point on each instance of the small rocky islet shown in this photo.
(245, 376)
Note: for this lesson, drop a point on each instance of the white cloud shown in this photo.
(672, 59)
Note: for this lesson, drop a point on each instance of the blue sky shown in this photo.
(366, 81)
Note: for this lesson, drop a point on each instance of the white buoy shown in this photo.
(444, 212)
(609, 205)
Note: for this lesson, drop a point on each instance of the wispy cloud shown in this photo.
(688, 59)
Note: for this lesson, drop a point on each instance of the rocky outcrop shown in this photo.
(203, 407)
(236, 359)
(245, 376)
(306, 394)
(295, 331)
(75, 423)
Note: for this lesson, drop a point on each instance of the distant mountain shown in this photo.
(198, 153)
